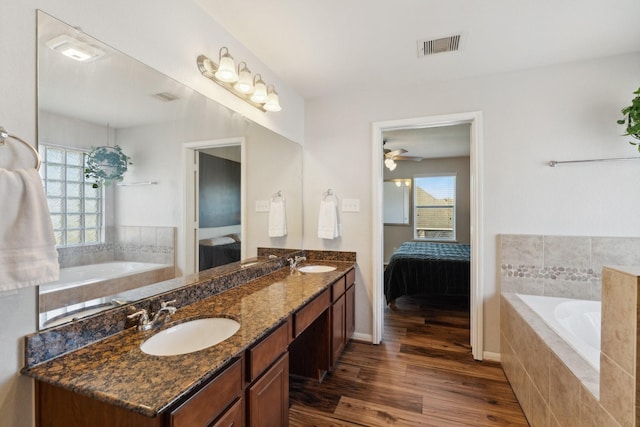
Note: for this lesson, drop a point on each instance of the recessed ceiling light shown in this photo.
(74, 49)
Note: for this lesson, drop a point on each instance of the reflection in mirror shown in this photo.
(135, 232)
(397, 196)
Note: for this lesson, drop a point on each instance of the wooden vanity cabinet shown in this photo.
(268, 397)
(342, 314)
(267, 394)
(211, 401)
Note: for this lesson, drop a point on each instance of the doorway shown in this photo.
(191, 159)
(474, 119)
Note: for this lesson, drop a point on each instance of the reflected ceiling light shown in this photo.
(74, 48)
(390, 164)
(252, 90)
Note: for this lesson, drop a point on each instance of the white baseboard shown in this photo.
(362, 337)
(491, 356)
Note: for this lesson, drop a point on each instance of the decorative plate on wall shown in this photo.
(106, 164)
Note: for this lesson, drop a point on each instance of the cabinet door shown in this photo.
(231, 418)
(268, 398)
(210, 401)
(350, 312)
(338, 329)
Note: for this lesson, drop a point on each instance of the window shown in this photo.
(435, 207)
(76, 207)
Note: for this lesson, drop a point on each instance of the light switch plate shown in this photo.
(262, 206)
(350, 205)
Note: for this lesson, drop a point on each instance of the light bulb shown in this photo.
(245, 82)
(227, 68)
(259, 91)
(273, 103)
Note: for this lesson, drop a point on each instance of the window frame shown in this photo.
(453, 206)
(62, 232)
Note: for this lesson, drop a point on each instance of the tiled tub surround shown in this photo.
(561, 266)
(554, 385)
(116, 371)
(124, 243)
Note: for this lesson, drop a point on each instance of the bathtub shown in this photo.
(89, 286)
(72, 277)
(575, 321)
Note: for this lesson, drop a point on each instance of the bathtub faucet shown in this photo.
(159, 318)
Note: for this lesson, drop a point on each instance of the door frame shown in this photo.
(190, 173)
(476, 216)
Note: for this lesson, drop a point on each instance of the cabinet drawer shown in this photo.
(260, 356)
(338, 288)
(310, 312)
(233, 417)
(204, 406)
(351, 277)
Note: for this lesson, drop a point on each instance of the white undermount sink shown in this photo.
(190, 336)
(316, 268)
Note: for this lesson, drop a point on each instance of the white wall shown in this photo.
(529, 117)
(166, 35)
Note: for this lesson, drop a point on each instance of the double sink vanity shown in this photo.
(220, 359)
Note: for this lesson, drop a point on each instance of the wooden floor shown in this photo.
(421, 375)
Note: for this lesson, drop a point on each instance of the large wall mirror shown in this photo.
(91, 95)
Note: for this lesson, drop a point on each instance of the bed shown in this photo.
(424, 268)
(218, 251)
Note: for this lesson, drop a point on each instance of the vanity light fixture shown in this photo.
(273, 103)
(245, 81)
(239, 81)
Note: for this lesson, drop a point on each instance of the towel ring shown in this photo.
(3, 137)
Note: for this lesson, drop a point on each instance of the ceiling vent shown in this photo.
(165, 96)
(445, 44)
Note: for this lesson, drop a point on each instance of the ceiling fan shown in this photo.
(398, 155)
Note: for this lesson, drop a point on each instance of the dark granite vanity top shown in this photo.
(115, 370)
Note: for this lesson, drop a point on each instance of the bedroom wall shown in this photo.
(219, 192)
(394, 235)
(529, 117)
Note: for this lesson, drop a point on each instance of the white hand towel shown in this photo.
(328, 227)
(28, 255)
(277, 218)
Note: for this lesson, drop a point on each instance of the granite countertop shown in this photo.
(116, 371)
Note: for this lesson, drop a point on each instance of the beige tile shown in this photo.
(538, 415)
(515, 373)
(517, 249)
(567, 251)
(564, 393)
(148, 236)
(166, 236)
(568, 288)
(536, 360)
(619, 318)
(592, 414)
(617, 391)
(614, 251)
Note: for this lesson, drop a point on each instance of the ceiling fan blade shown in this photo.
(415, 159)
(394, 153)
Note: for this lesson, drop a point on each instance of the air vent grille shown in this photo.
(445, 44)
(165, 96)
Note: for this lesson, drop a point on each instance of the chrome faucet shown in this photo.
(293, 263)
(160, 316)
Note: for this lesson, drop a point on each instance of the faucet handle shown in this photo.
(143, 323)
(164, 304)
